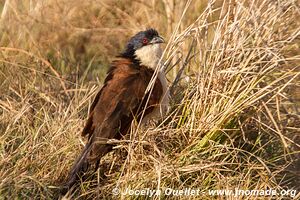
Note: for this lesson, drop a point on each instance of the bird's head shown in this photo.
(145, 48)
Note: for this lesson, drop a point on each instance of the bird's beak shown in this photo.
(157, 39)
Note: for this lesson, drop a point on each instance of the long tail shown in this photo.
(81, 165)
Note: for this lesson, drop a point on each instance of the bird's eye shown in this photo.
(145, 41)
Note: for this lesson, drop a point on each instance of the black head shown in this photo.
(142, 38)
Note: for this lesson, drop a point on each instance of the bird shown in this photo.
(123, 98)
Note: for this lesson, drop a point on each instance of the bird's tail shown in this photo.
(81, 165)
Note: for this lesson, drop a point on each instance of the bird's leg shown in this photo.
(97, 164)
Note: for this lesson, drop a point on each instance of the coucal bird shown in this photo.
(123, 98)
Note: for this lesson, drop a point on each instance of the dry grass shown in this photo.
(233, 68)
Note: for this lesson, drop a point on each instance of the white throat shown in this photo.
(149, 55)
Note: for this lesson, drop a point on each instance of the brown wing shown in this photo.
(115, 106)
(88, 129)
(119, 101)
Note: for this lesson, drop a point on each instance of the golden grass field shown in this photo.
(233, 70)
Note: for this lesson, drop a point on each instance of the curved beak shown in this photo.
(157, 39)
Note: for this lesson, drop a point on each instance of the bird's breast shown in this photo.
(162, 108)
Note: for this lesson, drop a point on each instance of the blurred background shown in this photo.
(76, 34)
